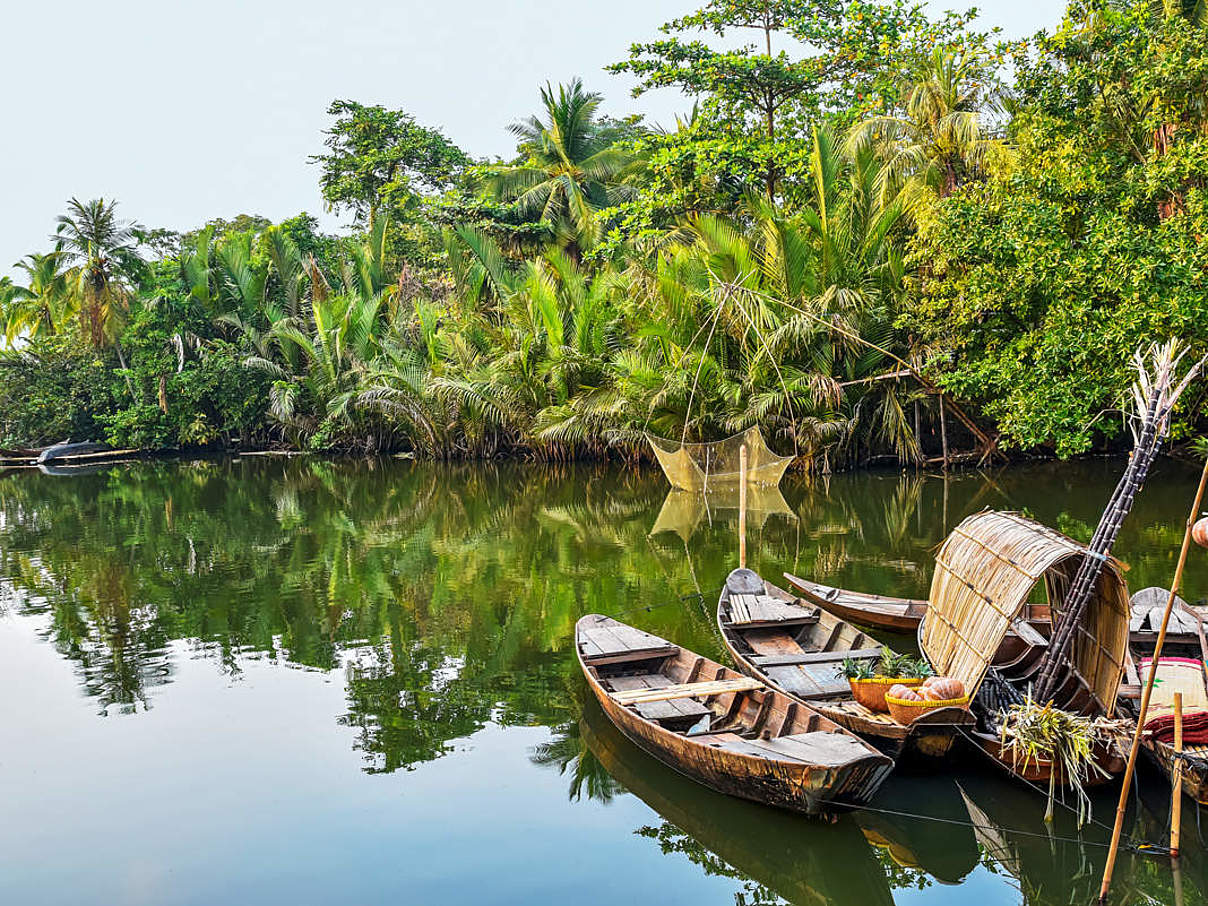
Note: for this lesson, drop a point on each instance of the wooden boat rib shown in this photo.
(799, 650)
(721, 728)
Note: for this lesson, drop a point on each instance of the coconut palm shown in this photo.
(940, 138)
(41, 306)
(572, 166)
(102, 252)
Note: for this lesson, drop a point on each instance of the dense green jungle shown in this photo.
(877, 232)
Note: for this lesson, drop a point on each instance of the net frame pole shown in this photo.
(742, 507)
(1134, 749)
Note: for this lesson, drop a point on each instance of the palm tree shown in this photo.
(102, 251)
(572, 166)
(939, 140)
(40, 307)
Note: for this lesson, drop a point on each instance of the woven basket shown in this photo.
(871, 692)
(906, 712)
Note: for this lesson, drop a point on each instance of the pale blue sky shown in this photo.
(187, 111)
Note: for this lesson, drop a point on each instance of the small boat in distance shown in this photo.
(727, 731)
(800, 650)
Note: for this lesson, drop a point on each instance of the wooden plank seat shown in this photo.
(683, 709)
(818, 747)
(614, 643)
(812, 657)
(811, 679)
(765, 610)
(701, 689)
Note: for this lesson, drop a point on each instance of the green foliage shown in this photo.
(53, 389)
(757, 100)
(381, 161)
(1037, 285)
(857, 669)
(571, 166)
(855, 200)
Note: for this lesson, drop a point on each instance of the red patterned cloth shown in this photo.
(1195, 728)
(1176, 674)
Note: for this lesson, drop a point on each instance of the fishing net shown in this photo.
(683, 511)
(703, 467)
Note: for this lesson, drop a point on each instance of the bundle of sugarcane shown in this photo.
(1155, 393)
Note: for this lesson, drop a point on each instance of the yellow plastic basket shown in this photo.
(906, 712)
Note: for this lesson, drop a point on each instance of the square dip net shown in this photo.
(702, 467)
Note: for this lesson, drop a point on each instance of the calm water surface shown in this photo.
(300, 681)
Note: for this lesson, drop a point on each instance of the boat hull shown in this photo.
(805, 789)
(1107, 761)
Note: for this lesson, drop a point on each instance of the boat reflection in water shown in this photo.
(942, 846)
(1059, 864)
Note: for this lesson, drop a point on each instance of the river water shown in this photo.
(303, 681)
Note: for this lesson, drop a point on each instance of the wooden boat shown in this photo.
(799, 650)
(725, 730)
(981, 620)
(875, 611)
(905, 615)
(1190, 660)
(799, 862)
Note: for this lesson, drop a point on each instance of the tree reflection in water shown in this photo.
(445, 598)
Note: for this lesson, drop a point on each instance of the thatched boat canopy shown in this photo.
(715, 465)
(985, 573)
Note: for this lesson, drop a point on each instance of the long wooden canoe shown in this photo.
(799, 649)
(885, 612)
(875, 611)
(720, 728)
(905, 615)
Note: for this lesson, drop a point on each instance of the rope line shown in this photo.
(1135, 847)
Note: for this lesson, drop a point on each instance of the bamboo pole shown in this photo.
(1176, 778)
(943, 433)
(742, 506)
(1148, 690)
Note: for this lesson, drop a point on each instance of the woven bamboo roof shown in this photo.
(985, 572)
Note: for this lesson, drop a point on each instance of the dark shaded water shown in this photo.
(325, 682)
